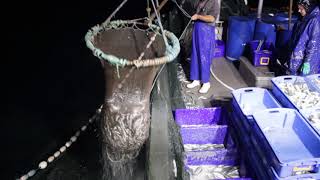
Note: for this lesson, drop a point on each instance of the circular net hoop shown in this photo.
(171, 52)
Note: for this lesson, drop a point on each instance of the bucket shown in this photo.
(263, 56)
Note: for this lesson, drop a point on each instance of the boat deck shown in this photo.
(224, 71)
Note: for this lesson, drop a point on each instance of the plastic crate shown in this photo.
(255, 76)
(211, 134)
(260, 171)
(279, 94)
(289, 142)
(297, 177)
(313, 81)
(263, 56)
(248, 100)
(238, 131)
(220, 156)
(253, 99)
(286, 100)
(265, 171)
(315, 112)
(199, 116)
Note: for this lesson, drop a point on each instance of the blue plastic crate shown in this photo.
(281, 95)
(312, 113)
(260, 171)
(275, 176)
(212, 134)
(239, 130)
(248, 100)
(199, 116)
(219, 156)
(263, 169)
(265, 172)
(313, 81)
(289, 142)
(240, 119)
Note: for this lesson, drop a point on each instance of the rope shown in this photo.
(182, 35)
(160, 24)
(185, 29)
(148, 9)
(221, 82)
(138, 63)
(181, 9)
(58, 153)
(114, 12)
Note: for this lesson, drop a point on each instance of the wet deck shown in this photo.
(224, 71)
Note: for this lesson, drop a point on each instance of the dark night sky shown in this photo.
(52, 82)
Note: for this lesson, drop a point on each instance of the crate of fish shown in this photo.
(245, 101)
(313, 81)
(209, 172)
(217, 156)
(312, 115)
(214, 164)
(218, 163)
(293, 92)
(290, 144)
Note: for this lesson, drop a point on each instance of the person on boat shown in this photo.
(203, 40)
(305, 42)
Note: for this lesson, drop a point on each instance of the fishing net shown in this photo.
(121, 45)
(130, 52)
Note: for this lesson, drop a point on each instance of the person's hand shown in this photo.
(194, 17)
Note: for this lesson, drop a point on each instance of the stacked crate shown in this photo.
(277, 142)
(206, 127)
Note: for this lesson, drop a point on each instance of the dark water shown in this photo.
(52, 85)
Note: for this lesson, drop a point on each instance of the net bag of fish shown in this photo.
(131, 53)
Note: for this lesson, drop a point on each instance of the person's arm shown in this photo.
(297, 48)
(312, 48)
(296, 60)
(213, 10)
(205, 18)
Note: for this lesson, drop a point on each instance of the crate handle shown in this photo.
(248, 90)
(274, 111)
(269, 73)
(287, 78)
